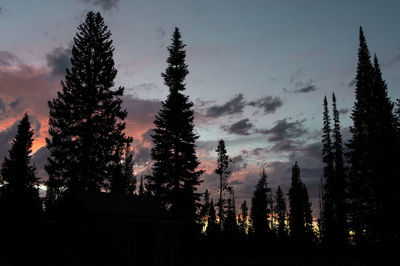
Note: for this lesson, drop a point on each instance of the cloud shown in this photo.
(268, 103)
(58, 60)
(343, 111)
(242, 127)
(306, 89)
(8, 59)
(352, 83)
(6, 136)
(391, 62)
(106, 5)
(284, 130)
(233, 106)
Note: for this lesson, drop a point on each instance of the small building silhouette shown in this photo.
(95, 228)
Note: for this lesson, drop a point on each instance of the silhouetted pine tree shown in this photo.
(206, 206)
(281, 213)
(223, 172)
(260, 204)
(20, 205)
(244, 214)
(361, 200)
(141, 187)
(175, 176)
(385, 154)
(328, 218)
(86, 117)
(300, 218)
(372, 176)
(123, 180)
(340, 228)
(212, 226)
(230, 223)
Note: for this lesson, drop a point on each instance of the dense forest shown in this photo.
(90, 152)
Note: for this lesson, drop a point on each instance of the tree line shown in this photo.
(90, 151)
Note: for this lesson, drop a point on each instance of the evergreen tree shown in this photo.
(300, 219)
(141, 187)
(86, 117)
(260, 204)
(372, 178)
(230, 223)
(206, 206)
(361, 202)
(244, 214)
(123, 180)
(340, 231)
(281, 213)
(223, 172)
(20, 205)
(328, 218)
(175, 176)
(212, 226)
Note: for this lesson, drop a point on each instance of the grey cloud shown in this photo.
(39, 159)
(242, 127)
(352, 83)
(141, 110)
(104, 4)
(343, 111)
(306, 89)
(392, 61)
(233, 106)
(8, 59)
(268, 103)
(58, 60)
(285, 130)
(5, 139)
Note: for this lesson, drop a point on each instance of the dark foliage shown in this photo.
(223, 172)
(175, 177)
(20, 205)
(281, 214)
(260, 204)
(86, 118)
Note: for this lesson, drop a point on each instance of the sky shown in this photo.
(258, 73)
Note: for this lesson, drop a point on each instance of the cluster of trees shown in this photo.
(360, 190)
(90, 151)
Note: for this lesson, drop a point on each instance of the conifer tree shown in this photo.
(372, 179)
(223, 172)
(260, 204)
(361, 204)
(300, 218)
(244, 214)
(212, 226)
(123, 180)
(141, 187)
(175, 177)
(20, 205)
(340, 180)
(230, 223)
(281, 213)
(328, 218)
(18, 191)
(206, 206)
(86, 118)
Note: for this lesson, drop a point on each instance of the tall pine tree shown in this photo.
(281, 213)
(175, 176)
(223, 172)
(20, 205)
(86, 117)
(340, 227)
(328, 218)
(260, 203)
(300, 218)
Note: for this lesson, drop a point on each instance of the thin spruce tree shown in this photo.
(223, 173)
(281, 213)
(175, 176)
